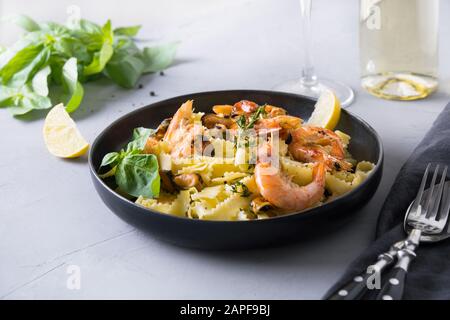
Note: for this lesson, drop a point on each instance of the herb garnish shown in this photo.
(135, 173)
(242, 189)
(255, 116)
(65, 56)
(246, 124)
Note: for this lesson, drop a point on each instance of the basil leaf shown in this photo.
(22, 21)
(71, 84)
(26, 74)
(139, 139)
(127, 31)
(138, 175)
(100, 60)
(108, 174)
(159, 58)
(126, 65)
(107, 32)
(109, 158)
(69, 47)
(65, 56)
(90, 34)
(22, 100)
(102, 57)
(19, 110)
(125, 70)
(89, 27)
(54, 30)
(125, 46)
(7, 95)
(10, 53)
(33, 100)
(40, 83)
(24, 64)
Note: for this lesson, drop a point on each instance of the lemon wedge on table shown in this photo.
(61, 135)
(327, 111)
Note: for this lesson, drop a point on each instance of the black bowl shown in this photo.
(365, 145)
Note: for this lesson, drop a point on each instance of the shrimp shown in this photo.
(152, 143)
(223, 109)
(248, 107)
(181, 119)
(244, 107)
(283, 123)
(280, 191)
(181, 131)
(184, 146)
(316, 144)
(273, 111)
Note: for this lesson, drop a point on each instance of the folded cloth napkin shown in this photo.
(429, 273)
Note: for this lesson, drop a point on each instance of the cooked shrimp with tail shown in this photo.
(316, 144)
(233, 161)
(181, 131)
(278, 189)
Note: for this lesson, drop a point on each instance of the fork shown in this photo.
(359, 285)
(423, 219)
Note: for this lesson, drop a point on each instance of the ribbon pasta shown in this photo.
(228, 184)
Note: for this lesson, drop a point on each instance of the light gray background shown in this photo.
(51, 216)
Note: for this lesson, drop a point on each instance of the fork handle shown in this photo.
(394, 286)
(357, 287)
(353, 290)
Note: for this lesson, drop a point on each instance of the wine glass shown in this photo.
(308, 84)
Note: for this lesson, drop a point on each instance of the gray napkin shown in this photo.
(429, 274)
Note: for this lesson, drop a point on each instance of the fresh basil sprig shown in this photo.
(51, 55)
(135, 173)
(138, 175)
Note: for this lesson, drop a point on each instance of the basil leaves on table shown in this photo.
(135, 173)
(52, 54)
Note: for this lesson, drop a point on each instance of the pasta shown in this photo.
(211, 170)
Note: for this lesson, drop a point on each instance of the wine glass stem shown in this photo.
(308, 78)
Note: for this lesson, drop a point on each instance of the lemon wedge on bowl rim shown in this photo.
(61, 135)
(327, 111)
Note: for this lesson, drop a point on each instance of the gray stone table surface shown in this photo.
(51, 217)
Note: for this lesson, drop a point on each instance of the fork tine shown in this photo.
(445, 208)
(436, 200)
(430, 196)
(415, 208)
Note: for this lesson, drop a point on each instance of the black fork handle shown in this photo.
(394, 287)
(356, 288)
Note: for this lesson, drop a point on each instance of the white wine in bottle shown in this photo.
(399, 47)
